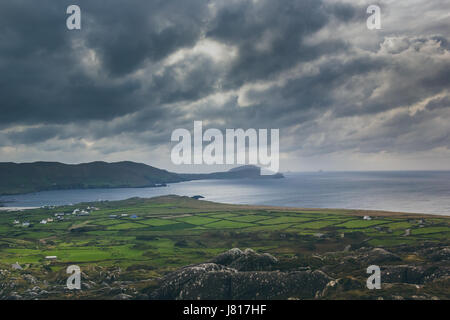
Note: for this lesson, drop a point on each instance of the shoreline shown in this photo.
(355, 212)
(9, 209)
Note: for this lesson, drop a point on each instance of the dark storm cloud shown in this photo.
(42, 80)
(269, 35)
(128, 34)
(139, 69)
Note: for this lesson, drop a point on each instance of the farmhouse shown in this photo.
(83, 213)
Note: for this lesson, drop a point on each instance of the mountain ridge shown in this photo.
(19, 178)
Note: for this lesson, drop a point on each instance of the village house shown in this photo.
(83, 213)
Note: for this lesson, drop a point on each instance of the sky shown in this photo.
(343, 97)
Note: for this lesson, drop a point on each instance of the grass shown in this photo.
(176, 231)
(285, 219)
(197, 220)
(157, 222)
(430, 230)
(228, 224)
(360, 224)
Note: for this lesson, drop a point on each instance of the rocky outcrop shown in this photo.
(413, 274)
(202, 281)
(440, 254)
(417, 271)
(237, 274)
(278, 285)
(379, 256)
(247, 260)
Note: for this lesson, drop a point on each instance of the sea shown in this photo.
(401, 191)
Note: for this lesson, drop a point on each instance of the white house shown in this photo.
(367, 218)
(44, 221)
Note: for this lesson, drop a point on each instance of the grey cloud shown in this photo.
(130, 95)
(270, 35)
(127, 35)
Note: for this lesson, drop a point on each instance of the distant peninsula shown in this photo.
(19, 178)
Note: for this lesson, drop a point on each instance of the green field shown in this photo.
(170, 232)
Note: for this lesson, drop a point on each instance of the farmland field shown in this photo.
(170, 232)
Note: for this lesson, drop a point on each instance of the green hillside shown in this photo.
(16, 178)
(38, 176)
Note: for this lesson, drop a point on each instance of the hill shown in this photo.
(38, 176)
(243, 172)
(16, 178)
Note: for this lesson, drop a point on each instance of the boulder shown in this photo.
(183, 282)
(379, 255)
(277, 285)
(236, 274)
(440, 255)
(247, 260)
(413, 274)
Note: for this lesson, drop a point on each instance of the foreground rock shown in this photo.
(407, 272)
(230, 276)
(414, 274)
(247, 260)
